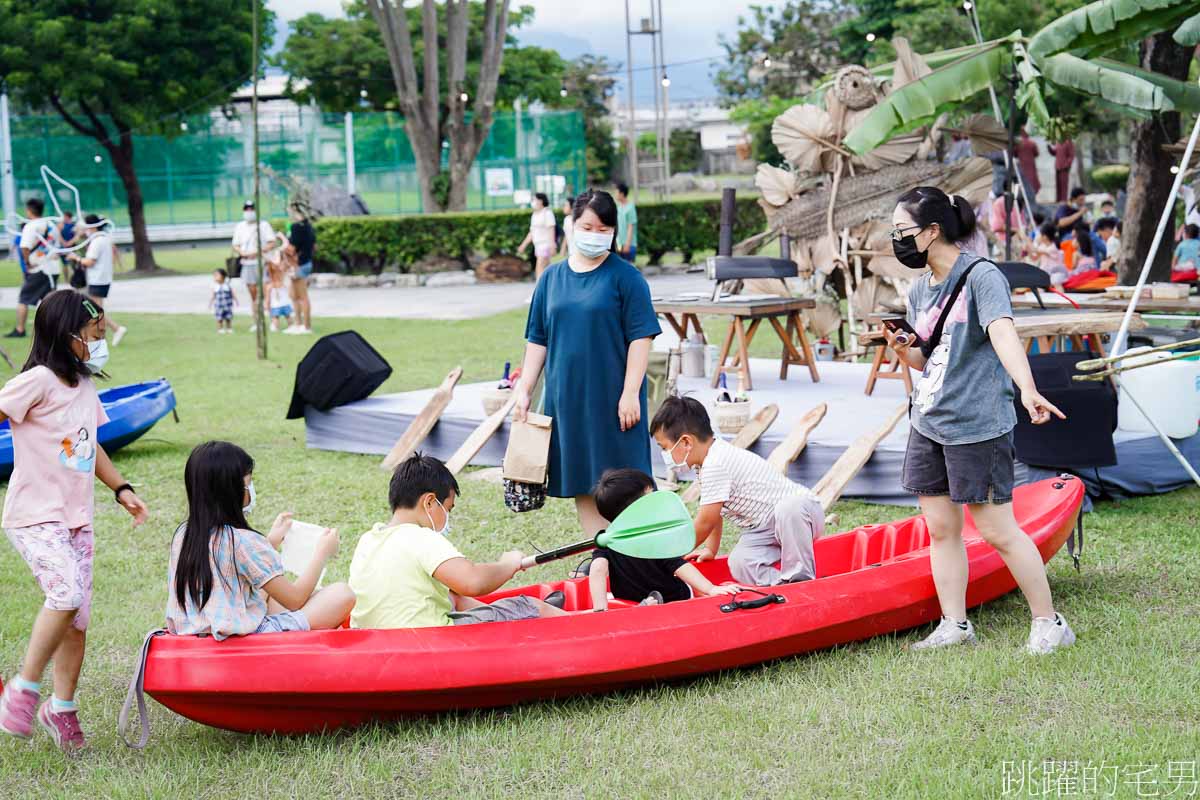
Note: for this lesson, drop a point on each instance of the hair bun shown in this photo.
(965, 216)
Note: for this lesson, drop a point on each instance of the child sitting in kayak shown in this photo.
(649, 581)
(401, 570)
(779, 519)
(225, 578)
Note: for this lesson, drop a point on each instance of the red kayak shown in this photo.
(871, 581)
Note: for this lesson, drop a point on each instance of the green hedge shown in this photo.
(369, 244)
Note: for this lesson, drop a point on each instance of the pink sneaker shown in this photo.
(63, 728)
(16, 711)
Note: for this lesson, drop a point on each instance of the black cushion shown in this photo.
(340, 368)
(738, 268)
(1084, 438)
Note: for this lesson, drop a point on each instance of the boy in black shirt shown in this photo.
(646, 580)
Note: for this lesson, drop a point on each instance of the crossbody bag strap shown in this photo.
(930, 344)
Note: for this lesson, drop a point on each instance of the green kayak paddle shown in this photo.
(655, 526)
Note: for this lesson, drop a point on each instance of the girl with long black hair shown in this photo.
(960, 450)
(226, 579)
(55, 411)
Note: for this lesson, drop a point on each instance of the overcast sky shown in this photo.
(572, 28)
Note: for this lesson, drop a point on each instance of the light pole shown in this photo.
(260, 324)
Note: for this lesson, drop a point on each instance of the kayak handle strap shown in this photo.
(135, 694)
(557, 553)
(759, 602)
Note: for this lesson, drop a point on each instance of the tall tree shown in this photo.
(124, 67)
(779, 51)
(1149, 172)
(422, 101)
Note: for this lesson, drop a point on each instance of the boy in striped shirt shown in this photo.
(779, 519)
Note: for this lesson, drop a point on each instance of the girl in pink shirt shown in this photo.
(55, 411)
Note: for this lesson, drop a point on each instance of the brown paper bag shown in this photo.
(528, 453)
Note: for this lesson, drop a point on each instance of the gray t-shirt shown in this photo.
(964, 395)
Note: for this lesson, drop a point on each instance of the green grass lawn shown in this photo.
(866, 720)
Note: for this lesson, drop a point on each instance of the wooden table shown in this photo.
(1106, 302)
(685, 315)
(1082, 327)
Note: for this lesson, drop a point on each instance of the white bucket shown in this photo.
(693, 359)
(1168, 391)
(711, 353)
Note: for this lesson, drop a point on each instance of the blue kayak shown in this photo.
(132, 410)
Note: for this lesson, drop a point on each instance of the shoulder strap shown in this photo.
(930, 344)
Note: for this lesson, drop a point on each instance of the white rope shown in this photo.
(54, 247)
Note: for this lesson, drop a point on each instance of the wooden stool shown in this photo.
(883, 368)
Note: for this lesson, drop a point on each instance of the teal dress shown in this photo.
(586, 322)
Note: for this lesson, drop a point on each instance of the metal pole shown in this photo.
(259, 315)
(632, 133)
(8, 187)
(1008, 172)
(666, 109)
(351, 178)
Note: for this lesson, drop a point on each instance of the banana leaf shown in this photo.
(920, 102)
(1188, 34)
(884, 72)
(1117, 87)
(1185, 96)
(1106, 24)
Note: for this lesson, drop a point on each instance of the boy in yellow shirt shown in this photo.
(407, 574)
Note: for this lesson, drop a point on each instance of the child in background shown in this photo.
(1085, 250)
(278, 298)
(226, 579)
(1187, 254)
(407, 574)
(779, 519)
(648, 581)
(1049, 256)
(222, 301)
(55, 411)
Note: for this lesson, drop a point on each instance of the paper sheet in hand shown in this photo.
(299, 547)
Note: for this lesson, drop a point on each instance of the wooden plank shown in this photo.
(790, 448)
(834, 482)
(745, 439)
(420, 427)
(745, 308)
(1052, 323)
(479, 437)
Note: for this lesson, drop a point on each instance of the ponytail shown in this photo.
(929, 205)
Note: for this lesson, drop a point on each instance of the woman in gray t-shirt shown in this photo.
(960, 448)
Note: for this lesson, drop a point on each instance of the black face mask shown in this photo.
(906, 252)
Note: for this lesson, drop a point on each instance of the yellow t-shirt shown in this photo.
(392, 577)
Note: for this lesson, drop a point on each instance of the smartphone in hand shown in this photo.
(900, 327)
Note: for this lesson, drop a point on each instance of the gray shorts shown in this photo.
(787, 540)
(971, 474)
(508, 609)
(283, 621)
(250, 273)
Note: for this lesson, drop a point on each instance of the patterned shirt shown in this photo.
(745, 483)
(242, 562)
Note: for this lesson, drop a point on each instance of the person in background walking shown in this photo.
(626, 225)
(541, 232)
(568, 228)
(1027, 153)
(98, 261)
(246, 244)
(38, 238)
(68, 237)
(303, 239)
(1064, 159)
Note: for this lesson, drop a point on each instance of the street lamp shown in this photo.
(97, 158)
(666, 82)
(968, 5)
(766, 62)
(183, 126)
(562, 92)
(362, 93)
(463, 97)
(870, 37)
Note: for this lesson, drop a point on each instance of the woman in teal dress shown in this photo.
(590, 325)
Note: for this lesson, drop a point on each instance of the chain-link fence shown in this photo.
(202, 174)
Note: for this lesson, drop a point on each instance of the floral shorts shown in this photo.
(61, 561)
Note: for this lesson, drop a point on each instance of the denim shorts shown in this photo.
(304, 270)
(981, 472)
(283, 621)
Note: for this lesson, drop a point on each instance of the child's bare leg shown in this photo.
(547, 610)
(598, 584)
(49, 628)
(68, 661)
(329, 607)
(589, 517)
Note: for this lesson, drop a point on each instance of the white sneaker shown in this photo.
(947, 633)
(119, 335)
(1047, 634)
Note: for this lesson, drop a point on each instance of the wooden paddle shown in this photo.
(479, 437)
(745, 439)
(790, 448)
(420, 427)
(834, 482)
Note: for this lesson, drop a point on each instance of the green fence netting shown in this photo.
(201, 174)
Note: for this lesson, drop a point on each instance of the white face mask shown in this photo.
(248, 215)
(669, 459)
(445, 529)
(249, 507)
(97, 356)
(592, 244)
